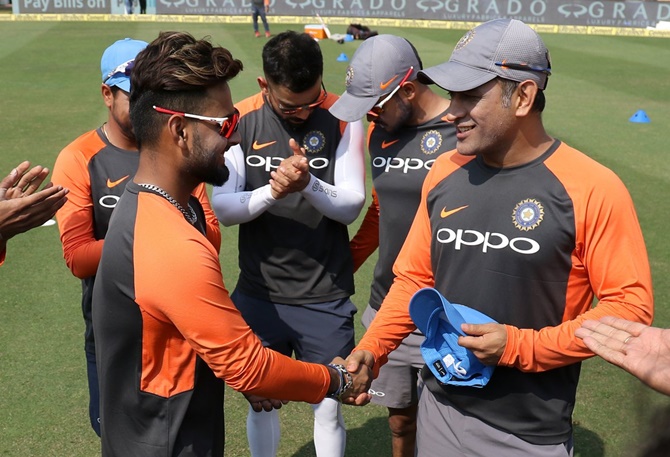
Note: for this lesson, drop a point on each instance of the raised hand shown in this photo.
(22, 206)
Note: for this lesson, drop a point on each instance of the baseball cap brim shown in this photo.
(440, 321)
(350, 109)
(120, 81)
(455, 77)
(423, 305)
(425, 301)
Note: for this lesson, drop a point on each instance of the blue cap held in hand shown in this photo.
(441, 322)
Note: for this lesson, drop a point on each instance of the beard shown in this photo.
(403, 115)
(207, 165)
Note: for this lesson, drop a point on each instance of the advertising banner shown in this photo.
(605, 13)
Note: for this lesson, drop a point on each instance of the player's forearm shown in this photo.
(240, 207)
(339, 203)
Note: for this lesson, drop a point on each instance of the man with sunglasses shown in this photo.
(408, 131)
(296, 181)
(168, 335)
(96, 168)
(525, 229)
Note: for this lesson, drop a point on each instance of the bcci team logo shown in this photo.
(465, 39)
(431, 142)
(527, 214)
(349, 78)
(314, 142)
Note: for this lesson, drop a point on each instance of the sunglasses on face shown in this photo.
(296, 109)
(227, 125)
(124, 69)
(378, 109)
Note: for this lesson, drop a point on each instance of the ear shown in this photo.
(107, 95)
(526, 92)
(409, 90)
(263, 84)
(179, 132)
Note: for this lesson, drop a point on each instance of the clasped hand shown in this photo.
(292, 174)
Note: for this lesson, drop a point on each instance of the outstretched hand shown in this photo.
(22, 206)
(359, 364)
(641, 350)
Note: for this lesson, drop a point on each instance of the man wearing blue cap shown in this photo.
(525, 229)
(96, 167)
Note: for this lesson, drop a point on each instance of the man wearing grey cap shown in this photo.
(96, 168)
(525, 229)
(408, 131)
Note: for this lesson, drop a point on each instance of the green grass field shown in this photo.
(50, 93)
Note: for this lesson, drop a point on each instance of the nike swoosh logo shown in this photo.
(111, 183)
(386, 144)
(444, 213)
(383, 86)
(256, 146)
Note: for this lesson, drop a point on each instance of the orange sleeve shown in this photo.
(213, 229)
(610, 261)
(75, 219)
(203, 314)
(366, 240)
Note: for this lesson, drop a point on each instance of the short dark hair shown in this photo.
(293, 60)
(416, 53)
(508, 86)
(175, 71)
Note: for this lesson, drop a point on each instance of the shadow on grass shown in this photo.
(372, 439)
(587, 443)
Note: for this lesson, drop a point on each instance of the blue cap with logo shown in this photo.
(117, 61)
(441, 322)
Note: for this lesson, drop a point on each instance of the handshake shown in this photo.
(349, 383)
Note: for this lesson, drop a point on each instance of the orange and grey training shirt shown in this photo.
(167, 334)
(399, 161)
(530, 246)
(96, 173)
(294, 250)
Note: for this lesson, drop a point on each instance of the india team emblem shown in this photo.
(431, 142)
(314, 142)
(349, 78)
(527, 214)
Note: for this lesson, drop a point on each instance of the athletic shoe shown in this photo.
(257, 34)
(267, 34)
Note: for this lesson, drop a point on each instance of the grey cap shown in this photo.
(377, 67)
(482, 53)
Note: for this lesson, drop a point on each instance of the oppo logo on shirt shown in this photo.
(401, 164)
(271, 163)
(109, 201)
(486, 241)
